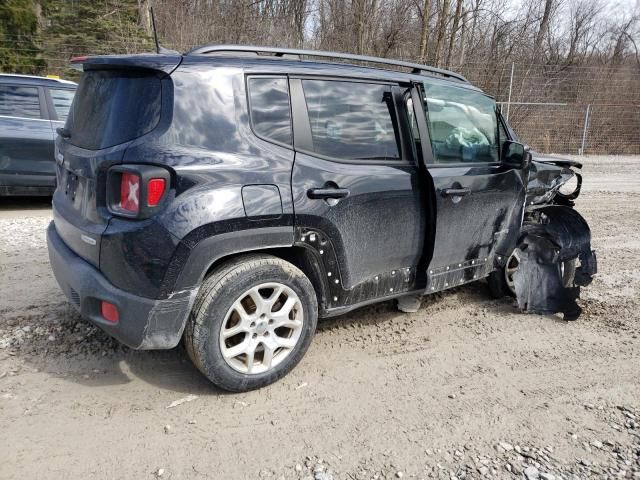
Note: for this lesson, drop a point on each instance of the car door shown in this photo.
(26, 138)
(479, 199)
(355, 187)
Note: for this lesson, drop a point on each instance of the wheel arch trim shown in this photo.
(199, 259)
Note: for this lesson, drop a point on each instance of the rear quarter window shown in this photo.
(61, 99)
(111, 107)
(269, 107)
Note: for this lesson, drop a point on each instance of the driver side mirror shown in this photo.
(515, 154)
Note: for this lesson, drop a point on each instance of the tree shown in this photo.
(442, 30)
(454, 31)
(85, 27)
(19, 52)
(544, 27)
(424, 35)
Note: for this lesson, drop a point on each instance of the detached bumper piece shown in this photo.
(541, 285)
(140, 323)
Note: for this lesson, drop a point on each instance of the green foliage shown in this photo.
(19, 53)
(90, 27)
(40, 36)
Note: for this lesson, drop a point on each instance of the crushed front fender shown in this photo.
(559, 238)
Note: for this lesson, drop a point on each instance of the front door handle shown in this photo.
(327, 193)
(455, 192)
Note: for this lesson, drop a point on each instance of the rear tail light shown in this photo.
(136, 191)
(130, 192)
(109, 312)
(155, 191)
(77, 62)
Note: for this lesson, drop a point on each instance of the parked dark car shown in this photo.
(232, 195)
(31, 108)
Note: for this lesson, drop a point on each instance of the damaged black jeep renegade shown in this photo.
(232, 195)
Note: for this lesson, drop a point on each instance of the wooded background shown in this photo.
(567, 72)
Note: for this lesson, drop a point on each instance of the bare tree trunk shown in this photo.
(442, 30)
(454, 31)
(542, 31)
(358, 16)
(463, 39)
(424, 36)
(144, 17)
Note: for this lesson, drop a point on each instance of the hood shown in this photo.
(553, 160)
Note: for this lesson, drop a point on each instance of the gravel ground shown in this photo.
(465, 388)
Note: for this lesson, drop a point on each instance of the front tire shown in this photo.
(252, 322)
(501, 281)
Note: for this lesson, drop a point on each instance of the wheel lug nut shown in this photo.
(266, 334)
(253, 324)
(255, 335)
(270, 320)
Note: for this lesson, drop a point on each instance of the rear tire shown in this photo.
(252, 322)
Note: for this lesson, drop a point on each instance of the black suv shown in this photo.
(232, 195)
(31, 108)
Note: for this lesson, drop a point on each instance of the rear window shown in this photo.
(112, 107)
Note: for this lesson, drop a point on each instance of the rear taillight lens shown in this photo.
(155, 191)
(137, 191)
(130, 192)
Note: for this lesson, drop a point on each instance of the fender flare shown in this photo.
(193, 262)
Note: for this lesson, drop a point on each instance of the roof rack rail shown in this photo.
(295, 52)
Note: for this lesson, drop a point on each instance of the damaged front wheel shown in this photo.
(502, 284)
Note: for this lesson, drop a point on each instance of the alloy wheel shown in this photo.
(261, 328)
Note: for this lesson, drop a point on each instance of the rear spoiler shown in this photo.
(166, 63)
(76, 62)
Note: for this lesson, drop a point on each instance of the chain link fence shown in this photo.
(553, 108)
(567, 109)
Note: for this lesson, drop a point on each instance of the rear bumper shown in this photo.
(21, 184)
(20, 191)
(144, 323)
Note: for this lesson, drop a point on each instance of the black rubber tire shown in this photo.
(217, 294)
(499, 288)
(498, 284)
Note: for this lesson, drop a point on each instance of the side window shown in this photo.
(462, 124)
(19, 101)
(350, 120)
(61, 102)
(269, 106)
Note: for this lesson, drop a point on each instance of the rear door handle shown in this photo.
(455, 192)
(327, 193)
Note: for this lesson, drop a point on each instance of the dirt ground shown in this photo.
(465, 388)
